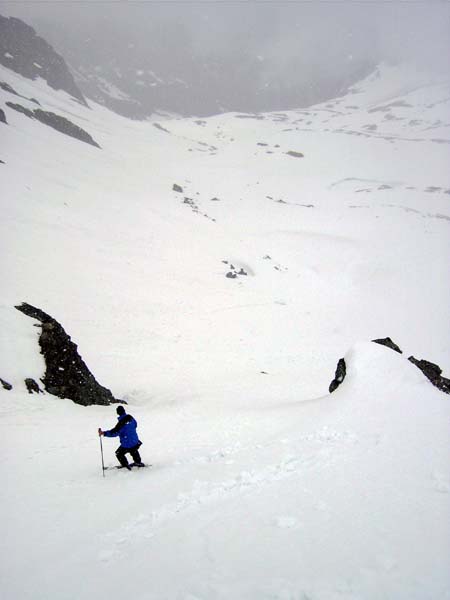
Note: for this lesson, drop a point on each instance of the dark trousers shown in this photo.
(134, 451)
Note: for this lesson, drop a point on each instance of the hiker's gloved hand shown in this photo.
(100, 432)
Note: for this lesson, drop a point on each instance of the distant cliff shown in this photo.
(31, 56)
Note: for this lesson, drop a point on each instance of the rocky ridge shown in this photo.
(24, 52)
(66, 375)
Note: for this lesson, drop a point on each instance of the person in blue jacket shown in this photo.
(129, 441)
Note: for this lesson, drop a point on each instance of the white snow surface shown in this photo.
(263, 485)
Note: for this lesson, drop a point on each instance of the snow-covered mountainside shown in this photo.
(24, 52)
(212, 272)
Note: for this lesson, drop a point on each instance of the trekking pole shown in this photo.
(101, 451)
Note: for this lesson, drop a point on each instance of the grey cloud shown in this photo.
(251, 54)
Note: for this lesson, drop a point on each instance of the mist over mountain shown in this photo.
(208, 58)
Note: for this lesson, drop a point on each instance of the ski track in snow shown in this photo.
(147, 526)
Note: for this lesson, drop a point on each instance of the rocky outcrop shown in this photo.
(2, 116)
(388, 343)
(22, 51)
(433, 373)
(339, 376)
(21, 109)
(430, 370)
(64, 126)
(66, 375)
(32, 386)
(7, 88)
(55, 121)
(5, 385)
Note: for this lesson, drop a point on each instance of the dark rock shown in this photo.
(66, 375)
(5, 384)
(2, 162)
(5, 86)
(177, 188)
(32, 386)
(257, 117)
(242, 272)
(231, 275)
(2, 116)
(339, 376)
(388, 343)
(433, 373)
(160, 127)
(64, 126)
(11, 90)
(19, 108)
(22, 51)
(55, 121)
(295, 154)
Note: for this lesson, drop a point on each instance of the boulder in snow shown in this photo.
(5, 385)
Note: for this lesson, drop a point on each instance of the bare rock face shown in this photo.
(55, 121)
(22, 51)
(66, 375)
(64, 126)
(2, 117)
(388, 343)
(21, 109)
(339, 376)
(433, 373)
(32, 386)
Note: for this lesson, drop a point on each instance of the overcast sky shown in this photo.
(323, 33)
(239, 54)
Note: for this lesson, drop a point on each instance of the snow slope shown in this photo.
(263, 485)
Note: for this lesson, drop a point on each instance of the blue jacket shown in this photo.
(126, 429)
